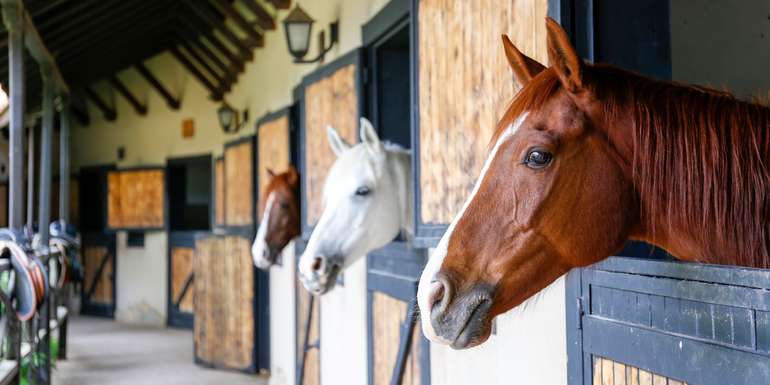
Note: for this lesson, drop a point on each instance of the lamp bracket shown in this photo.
(334, 37)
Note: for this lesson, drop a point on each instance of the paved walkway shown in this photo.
(104, 352)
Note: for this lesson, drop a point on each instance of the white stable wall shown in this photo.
(529, 348)
(283, 316)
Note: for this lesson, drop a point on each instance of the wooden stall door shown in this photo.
(239, 184)
(219, 192)
(464, 86)
(98, 257)
(308, 329)
(332, 97)
(273, 141)
(181, 279)
(224, 305)
(398, 353)
(666, 322)
(136, 199)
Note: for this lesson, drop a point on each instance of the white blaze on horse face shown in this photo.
(259, 249)
(437, 257)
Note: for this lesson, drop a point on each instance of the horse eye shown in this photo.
(538, 159)
(363, 191)
(284, 205)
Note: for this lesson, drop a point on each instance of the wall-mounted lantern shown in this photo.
(298, 26)
(229, 118)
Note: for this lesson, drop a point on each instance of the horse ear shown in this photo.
(563, 58)
(369, 134)
(337, 144)
(524, 67)
(270, 174)
(292, 176)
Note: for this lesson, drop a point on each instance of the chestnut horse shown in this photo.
(586, 158)
(280, 218)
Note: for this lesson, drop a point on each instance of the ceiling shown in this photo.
(92, 40)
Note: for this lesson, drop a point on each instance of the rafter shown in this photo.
(139, 107)
(108, 111)
(281, 4)
(192, 30)
(215, 93)
(233, 14)
(171, 100)
(264, 20)
(244, 46)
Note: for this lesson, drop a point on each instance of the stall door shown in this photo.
(398, 352)
(308, 331)
(98, 257)
(643, 321)
(330, 96)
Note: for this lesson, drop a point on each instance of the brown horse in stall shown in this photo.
(280, 217)
(585, 158)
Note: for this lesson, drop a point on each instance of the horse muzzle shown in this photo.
(321, 276)
(461, 320)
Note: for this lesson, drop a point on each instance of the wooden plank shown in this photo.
(239, 190)
(219, 194)
(331, 101)
(608, 374)
(460, 104)
(273, 151)
(135, 199)
(181, 267)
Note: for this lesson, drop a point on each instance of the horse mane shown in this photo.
(701, 157)
(395, 147)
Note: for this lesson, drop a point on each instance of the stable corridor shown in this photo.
(105, 352)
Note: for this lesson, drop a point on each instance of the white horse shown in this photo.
(367, 200)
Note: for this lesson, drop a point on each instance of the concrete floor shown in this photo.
(105, 352)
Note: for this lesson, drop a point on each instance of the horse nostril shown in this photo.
(440, 295)
(265, 253)
(317, 263)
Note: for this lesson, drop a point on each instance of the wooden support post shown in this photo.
(232, 13)
(64, 162)
(140, 108)
(13, 20)
(108, 112)
(171, 100)
(215, 93)
(264, 20)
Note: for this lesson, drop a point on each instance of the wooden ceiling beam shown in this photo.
(229, 73)
(196, 56)
(108, 44)
(109, 112)
(215, 93)
(75, 15)
(219, 25)
(264, 19)
(171, 100)
(131, 19)
(111, 58)
(139, 107)
(244, 24)
(280, 4)
(192, 30)
(79, 109)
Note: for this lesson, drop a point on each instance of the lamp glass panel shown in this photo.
(299, 37)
